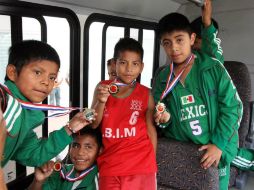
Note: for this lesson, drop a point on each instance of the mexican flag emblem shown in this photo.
(187, 99)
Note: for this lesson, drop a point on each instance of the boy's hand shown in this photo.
(161, 117)
(43, 172)
(207, 13)
(78, 122)
(211, 157)
(102, 93)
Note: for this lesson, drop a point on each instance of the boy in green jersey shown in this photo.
(206, 30)
(30, 74)
(83, 153)
(202, 104)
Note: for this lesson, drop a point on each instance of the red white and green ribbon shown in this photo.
(59, 110)
(171, 85)
(81, 176)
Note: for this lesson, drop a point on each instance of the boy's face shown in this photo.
(197, 44)
(35, 80)
(128, 66)
(112, 70)
(83, 152)
(177, 45)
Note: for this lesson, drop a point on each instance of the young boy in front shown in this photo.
(30, 74)
(125, 115)
(202, 104)
(81, 174)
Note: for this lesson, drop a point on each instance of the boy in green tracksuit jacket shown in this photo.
(206, 30)
(83, 153)
(200, 97)
(31, 71)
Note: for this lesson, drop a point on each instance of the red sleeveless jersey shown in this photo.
(127, 147)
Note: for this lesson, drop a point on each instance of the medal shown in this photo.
(160, 107)
(57, 166)
(88, 114)
(113, 88)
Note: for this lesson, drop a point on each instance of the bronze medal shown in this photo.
(160, 107)
(57, 166)
(113, 88)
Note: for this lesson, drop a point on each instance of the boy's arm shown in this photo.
(150, 124)
(35, 152)
(100, 98)
(210, 43)
(157, 90)
(41, 175)
(230, 111)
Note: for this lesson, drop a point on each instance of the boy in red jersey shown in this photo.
(125, 115)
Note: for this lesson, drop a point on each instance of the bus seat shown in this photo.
(241, 78)
(178, 162)
(179, 167)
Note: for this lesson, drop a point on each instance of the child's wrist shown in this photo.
(69, 130)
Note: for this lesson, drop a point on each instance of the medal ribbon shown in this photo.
(43, 107)
(72, 179)
(118, 83)
(171, 85)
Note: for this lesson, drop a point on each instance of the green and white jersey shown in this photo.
(191, 114)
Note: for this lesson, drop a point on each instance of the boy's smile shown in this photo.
(83, 152)
(35, 80)
(177, 45)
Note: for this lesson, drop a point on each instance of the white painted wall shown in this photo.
(236, 23)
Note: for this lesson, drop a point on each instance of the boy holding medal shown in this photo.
(31, 71)
(82, 173)
(125, 117)
(199, 94)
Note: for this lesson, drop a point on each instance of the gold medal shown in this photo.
(57, 166)
(88, 114)
(113, 88)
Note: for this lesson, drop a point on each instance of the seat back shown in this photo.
(241, 78)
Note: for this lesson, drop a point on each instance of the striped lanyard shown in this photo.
(59, 110)
(171, 85)
(72, 179)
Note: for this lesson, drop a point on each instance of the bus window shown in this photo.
(95, 42)
(31, 29)
(58, 36)
(148, 46)
(134, 33)
(5, 42)
(113, 34)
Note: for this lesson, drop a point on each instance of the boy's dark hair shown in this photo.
(88, 130)
(173, 22)
(109, 61)
(128, 44)
(22, 53)
(197, 24)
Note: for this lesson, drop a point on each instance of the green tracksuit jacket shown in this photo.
(221, 101)
(22, 144)
(56, 182)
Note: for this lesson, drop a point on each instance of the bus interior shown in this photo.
(84, 33)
